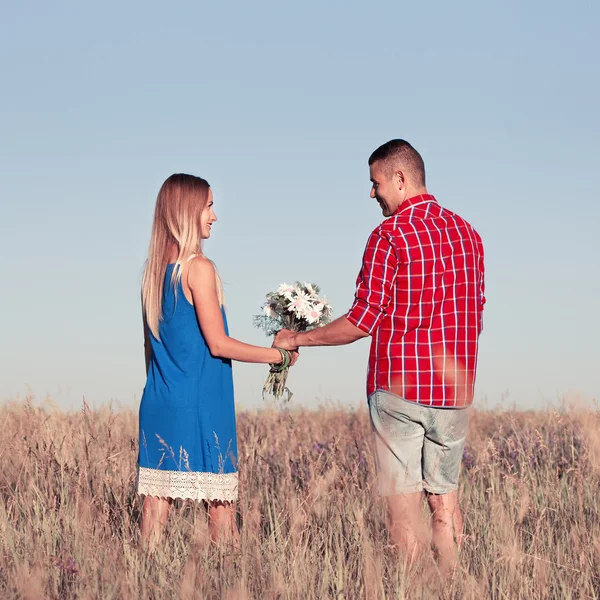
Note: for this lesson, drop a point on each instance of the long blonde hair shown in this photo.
(179, 206)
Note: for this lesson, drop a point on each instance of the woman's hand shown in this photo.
(295, 354)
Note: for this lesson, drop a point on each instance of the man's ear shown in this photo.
(400, 179)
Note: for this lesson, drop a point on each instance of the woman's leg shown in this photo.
(155, 512)
(222, 522)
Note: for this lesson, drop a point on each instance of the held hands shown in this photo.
(288, 359)
(295, 355)
(285, 339)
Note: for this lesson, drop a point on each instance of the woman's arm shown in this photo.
(201, 280)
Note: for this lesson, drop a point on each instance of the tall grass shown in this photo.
(311, 523)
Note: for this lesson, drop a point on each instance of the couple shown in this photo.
(419, 294)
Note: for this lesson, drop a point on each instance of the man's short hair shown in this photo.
(400, 155)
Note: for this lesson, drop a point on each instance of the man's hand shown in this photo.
(285, 339)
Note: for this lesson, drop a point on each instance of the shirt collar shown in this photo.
(414, 201)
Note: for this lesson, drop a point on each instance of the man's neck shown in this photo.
(412, 192)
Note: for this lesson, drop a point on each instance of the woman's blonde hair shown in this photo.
(179, 206)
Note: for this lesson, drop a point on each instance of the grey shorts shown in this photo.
(418, 447)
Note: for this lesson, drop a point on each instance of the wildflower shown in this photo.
(300, 303)
(296, 307)
(286, 290)
(310, 289)
(312, 313)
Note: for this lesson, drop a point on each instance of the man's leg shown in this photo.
(442, 455)
(447, 528)
(398, 443)
(405, 530)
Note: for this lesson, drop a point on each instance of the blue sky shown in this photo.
(279, 105)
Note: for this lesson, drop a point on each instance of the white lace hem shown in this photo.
(189, 485)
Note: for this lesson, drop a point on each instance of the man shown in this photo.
(420, 295)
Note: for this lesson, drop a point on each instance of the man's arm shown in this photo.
(338, 333)
(373, 293)
(481, 283)
(375, 283)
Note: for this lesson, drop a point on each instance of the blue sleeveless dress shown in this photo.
(187, 433)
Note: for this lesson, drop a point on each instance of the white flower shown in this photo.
(268, 310)
(312, 313)
(325, 306)
(311, 289)
(285, 289)
(299, 303)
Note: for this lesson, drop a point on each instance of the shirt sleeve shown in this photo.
(374, 283)
(481, 290)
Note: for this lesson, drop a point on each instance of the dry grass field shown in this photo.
(311, 523)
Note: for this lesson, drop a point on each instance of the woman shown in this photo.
(187, 431)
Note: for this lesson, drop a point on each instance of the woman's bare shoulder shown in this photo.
(200, 270)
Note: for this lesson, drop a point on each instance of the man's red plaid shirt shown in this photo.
(420, 294)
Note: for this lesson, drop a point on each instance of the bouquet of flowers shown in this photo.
(295, 307)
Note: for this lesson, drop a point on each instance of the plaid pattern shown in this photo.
(420, 294)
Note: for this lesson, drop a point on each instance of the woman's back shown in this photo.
(181, 358)
(187, 416)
